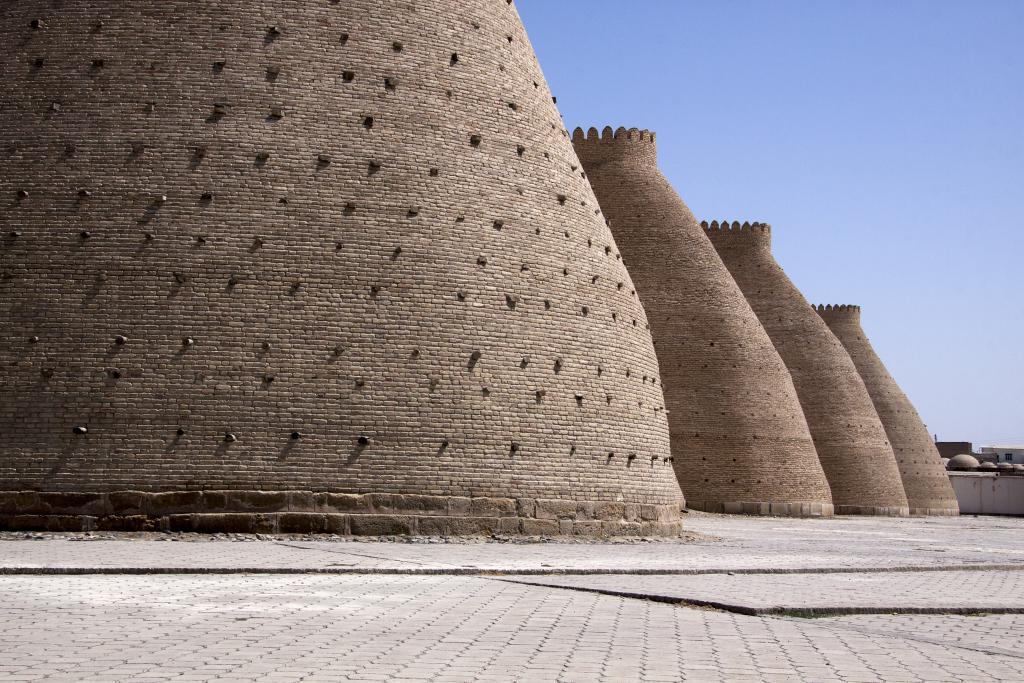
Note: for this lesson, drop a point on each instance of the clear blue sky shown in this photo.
(883, 140)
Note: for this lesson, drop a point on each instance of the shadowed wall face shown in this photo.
(848, 435)
(333, 259)
(924, 478)
(740, 440)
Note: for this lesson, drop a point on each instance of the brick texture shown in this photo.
(924, 478)
(739, 437)
(848, 436)
(309, 245)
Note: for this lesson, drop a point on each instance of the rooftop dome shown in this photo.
(962, 462)
(987, 466)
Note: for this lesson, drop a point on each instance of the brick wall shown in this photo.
(739, 437)
(848, 435)
(924, 478)
(309, 245)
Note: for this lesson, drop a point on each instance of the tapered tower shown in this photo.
(310, 265)
(924, 478)
(740, 440)
(848, 436)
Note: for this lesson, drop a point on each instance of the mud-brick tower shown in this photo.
(924, 478)
(848, 436)
(310, 265)
(740, 440)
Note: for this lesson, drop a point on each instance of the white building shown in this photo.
(1010, 454)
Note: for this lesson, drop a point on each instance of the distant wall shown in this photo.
(948, 449)
(988, 494)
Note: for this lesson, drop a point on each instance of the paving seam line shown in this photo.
(488, 572)
(346, 552)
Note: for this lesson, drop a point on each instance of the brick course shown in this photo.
(309, 245)
(740, 440)
(924, 478)
(848, 435)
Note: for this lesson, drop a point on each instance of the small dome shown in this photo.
(987, 466)
(962, 462)
(1018, 468)
(1004, 466)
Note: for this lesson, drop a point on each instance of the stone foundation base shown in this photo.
(934, 512)
(304, 512)
(764, 509)
(878, 511)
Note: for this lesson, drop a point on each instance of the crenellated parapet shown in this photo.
(838, 312)
(736, 235)
(625, 145)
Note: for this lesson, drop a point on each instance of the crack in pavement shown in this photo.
(806, 619)
(776, 610)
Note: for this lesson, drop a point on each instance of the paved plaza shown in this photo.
(743, 599)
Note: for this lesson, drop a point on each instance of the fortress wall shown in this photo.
(848, 435)
(739, 437)
(924, 478)
(257, 254)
